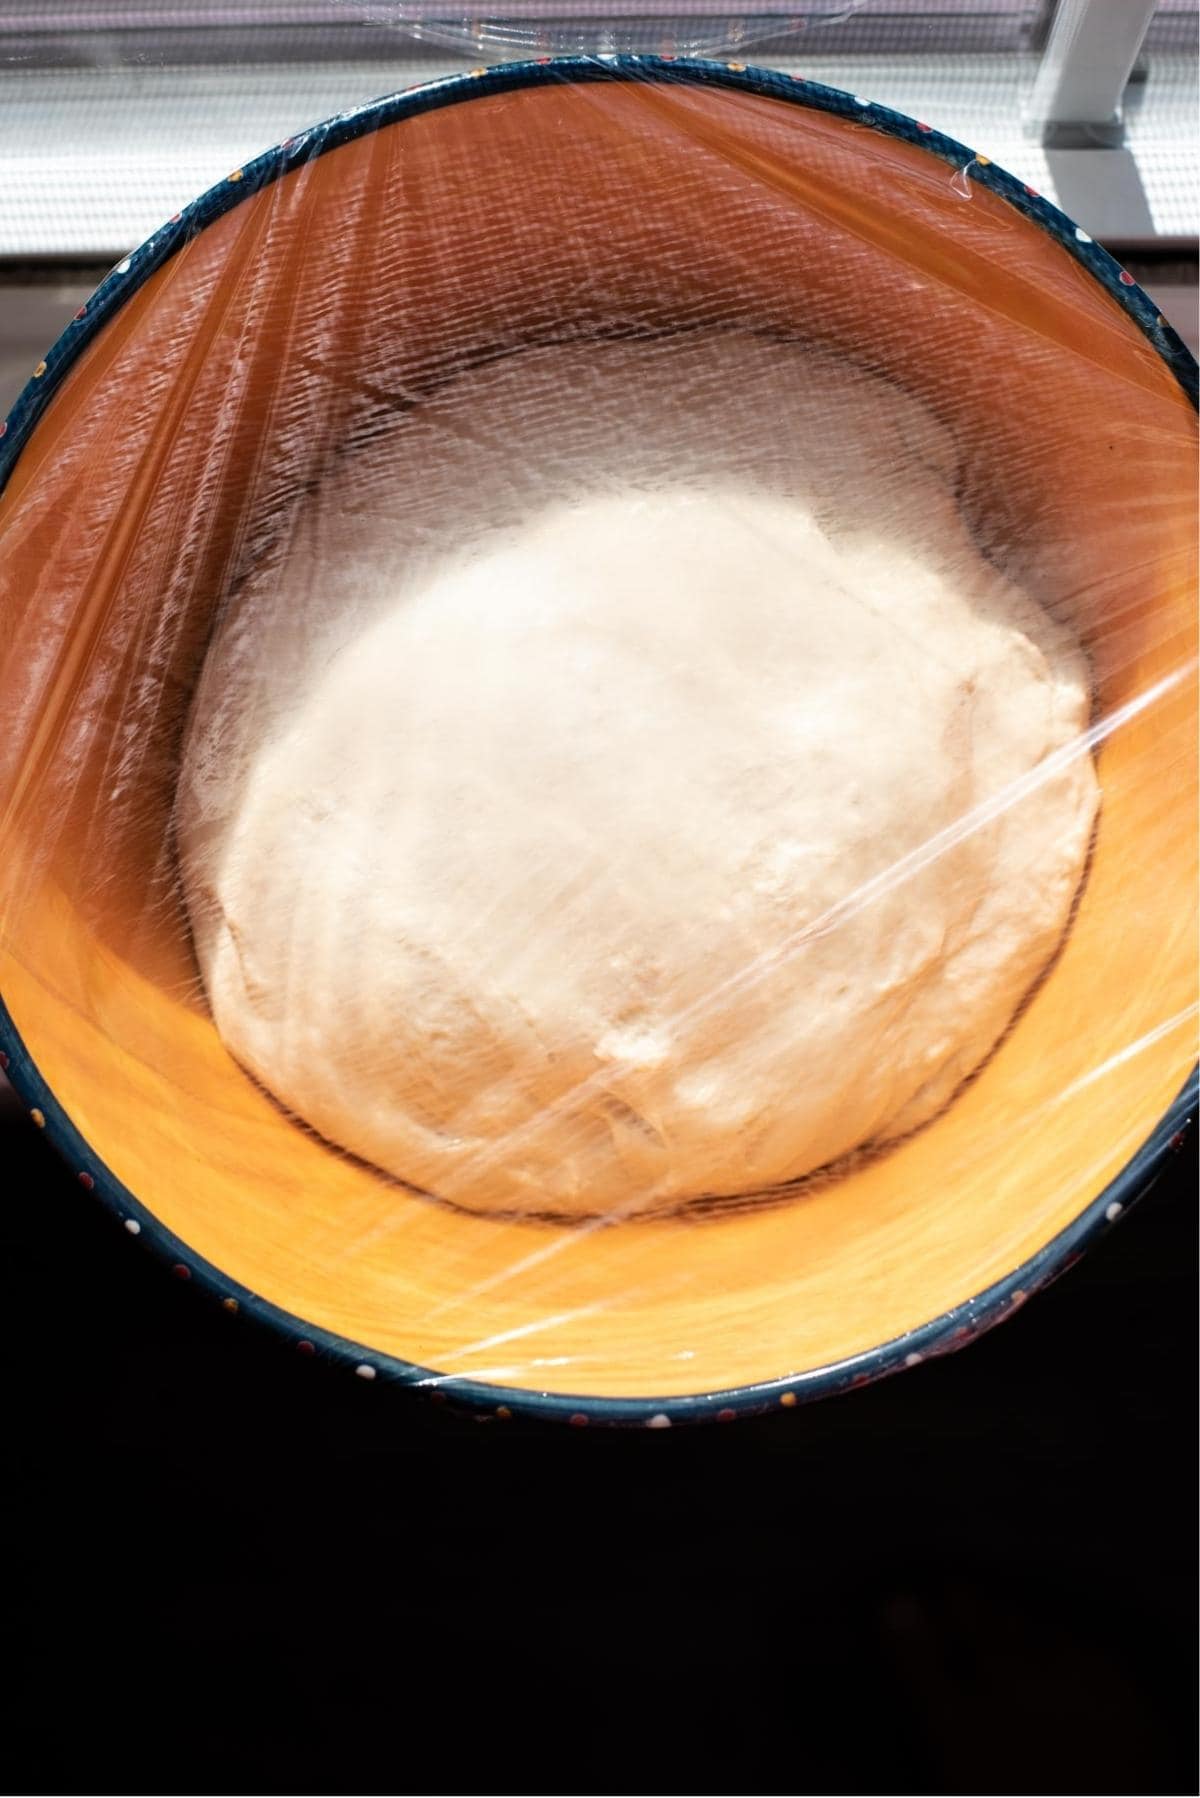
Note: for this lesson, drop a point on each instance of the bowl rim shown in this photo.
(952, 1329)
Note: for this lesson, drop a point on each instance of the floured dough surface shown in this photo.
(626, 782)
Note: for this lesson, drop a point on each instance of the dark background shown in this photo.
(232, 1570)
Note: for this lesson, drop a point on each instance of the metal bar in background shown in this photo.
(1085, 68)
(48, 34)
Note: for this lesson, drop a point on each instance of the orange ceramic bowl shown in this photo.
(305, 297)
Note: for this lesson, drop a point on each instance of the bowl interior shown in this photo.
(307, 314)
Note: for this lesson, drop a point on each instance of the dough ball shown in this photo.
(627, 782)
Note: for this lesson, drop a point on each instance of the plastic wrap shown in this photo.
(597, 780)
(527, 28)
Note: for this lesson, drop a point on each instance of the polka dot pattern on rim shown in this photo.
(365, 1371)
(787, 1399)
(87, 1182)
(39, 1118)
(660, 1421)
(1112, 1212)
(132, 1225)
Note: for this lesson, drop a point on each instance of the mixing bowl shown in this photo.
(304, 301)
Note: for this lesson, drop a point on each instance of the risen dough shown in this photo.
(627, 782)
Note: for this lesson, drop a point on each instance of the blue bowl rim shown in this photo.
(952, 1329)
